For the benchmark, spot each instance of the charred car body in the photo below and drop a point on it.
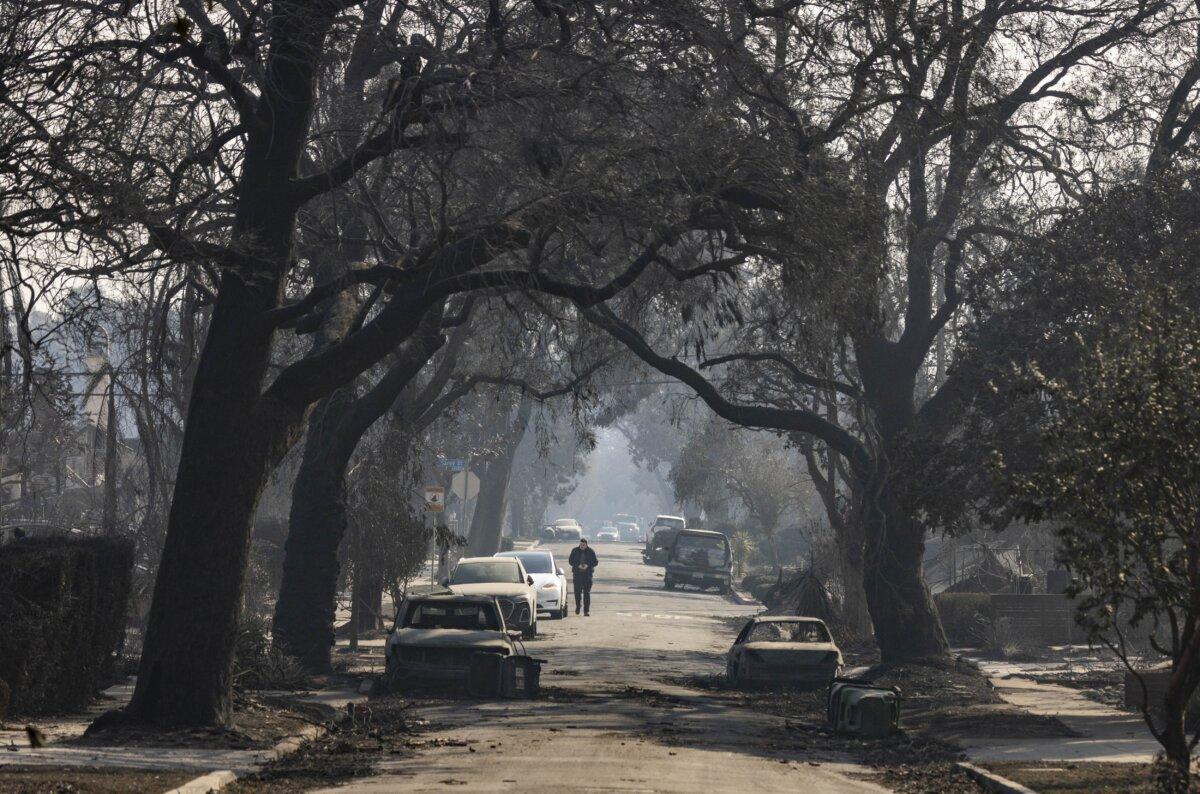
(436, 635)
(783, 650)
(701, 558)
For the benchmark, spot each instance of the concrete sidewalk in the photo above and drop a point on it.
(58, 752)
(1105, 733)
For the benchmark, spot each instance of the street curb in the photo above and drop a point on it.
(991, 781)
(213, 781)
(742, 598)
(287, 746)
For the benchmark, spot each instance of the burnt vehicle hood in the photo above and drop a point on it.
(791, 652)
(450, 638)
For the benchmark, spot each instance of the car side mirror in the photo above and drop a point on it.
(445, 581)
(559, 571)
(513, 634)
(529, 581)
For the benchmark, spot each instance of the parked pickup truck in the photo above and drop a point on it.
(700, 558)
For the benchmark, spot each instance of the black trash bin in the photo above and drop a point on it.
(483, 676)
(521, 677)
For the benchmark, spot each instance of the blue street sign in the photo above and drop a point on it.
(453, 464)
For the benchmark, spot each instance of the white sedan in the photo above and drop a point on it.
(549, 582)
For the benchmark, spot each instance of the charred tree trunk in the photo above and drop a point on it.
(1181, 687)
(516, 516)
(366, 606)
(490, 507)
(184, 676)
(901, 607)
(488, 516)
(304, 613)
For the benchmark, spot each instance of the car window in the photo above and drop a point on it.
(536, 563)
(506, 571)
(467, 617)
(788, 631)
(700, 550)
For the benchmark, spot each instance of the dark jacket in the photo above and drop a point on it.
(583, 557)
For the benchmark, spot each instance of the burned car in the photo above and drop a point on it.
(436, 635)
(701, 558)
(776, 649)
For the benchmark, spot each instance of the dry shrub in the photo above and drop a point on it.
(257, 664)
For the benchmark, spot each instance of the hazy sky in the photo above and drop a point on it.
(610, 486)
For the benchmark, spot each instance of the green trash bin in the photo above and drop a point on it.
(520, 677)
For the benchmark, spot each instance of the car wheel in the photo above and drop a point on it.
(565, 611)
(531, 632)
(668, 583)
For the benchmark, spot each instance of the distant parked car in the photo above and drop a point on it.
(701, 558)
(506, 580)
(673, 522)
(783, 650)
(549, 582)
(629, 532)
(607, 535)
(570, 534)
(436, 635)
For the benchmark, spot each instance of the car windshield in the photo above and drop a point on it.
(468, 617)
(483, 572)
(700, 550)
(666, 521)
(788, 631)
(536, 562)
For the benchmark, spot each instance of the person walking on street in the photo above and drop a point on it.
(583, 563)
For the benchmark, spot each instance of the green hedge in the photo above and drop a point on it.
(964, 615)
(62, 618)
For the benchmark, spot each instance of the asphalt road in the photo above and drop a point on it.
(615, 718)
